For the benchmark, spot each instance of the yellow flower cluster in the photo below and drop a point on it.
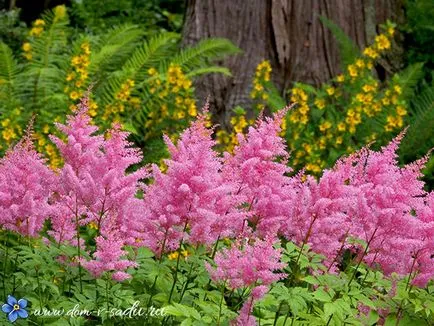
(301, 112)
(59, 13)
(38, 27)
(77, 77)
(262, 76)
(27, 48)
(176, 97)
(10, 132)
(48, 148)
(174, 255)
(229, 140)
(394, 119)
(123, 99)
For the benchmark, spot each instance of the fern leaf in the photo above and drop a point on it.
(209, 70)
(409, 78)
(8, 71)
(347, 48)
(205, 51)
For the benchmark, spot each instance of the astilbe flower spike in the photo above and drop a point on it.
(95, 190)
(248, 265)
(258, 168)
(190, 202)
(26, 185)
(365, 196)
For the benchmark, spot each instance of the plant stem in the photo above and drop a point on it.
(277, 313)
(306, 238)
(4, 263)
(363, 256)
(220, 305)
(77, 226)
(186, 283)
(175, 279)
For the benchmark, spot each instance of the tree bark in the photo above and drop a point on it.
(286, 32)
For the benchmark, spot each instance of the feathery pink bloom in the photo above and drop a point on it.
(26, 185)
(191, 195)
(95, 188)
(258, 167)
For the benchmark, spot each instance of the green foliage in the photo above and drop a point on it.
(153, 16)
(348, 50)
(47, 276)
(419, 39)
(12, 31)
(58, 64)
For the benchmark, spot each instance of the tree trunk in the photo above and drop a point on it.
(286, 32)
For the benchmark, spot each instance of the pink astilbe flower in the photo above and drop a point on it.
(258, 167)
(424, 264)
(190, 195)
(317, 213)
(248, 265)
(365, 196)
(26, 185)
(95, 189)
(108, 258)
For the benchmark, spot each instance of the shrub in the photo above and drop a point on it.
(353, 246)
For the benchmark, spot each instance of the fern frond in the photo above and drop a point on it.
(348, 50)
(149, 54)
(409, 78)
(8, 71)
(209, 70)
(205, 51)
(114, 48)
(419, 138)
(44, 75)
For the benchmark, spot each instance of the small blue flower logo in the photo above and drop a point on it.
(15, 309)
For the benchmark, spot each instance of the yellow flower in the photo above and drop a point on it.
(341, 126)
(339, 140)
(368, 88)
(76, 60)
(352, 70)
(192, 110)
(5, 122)
(340, 78)
(391, 31)
(28, 56)
(400, 110)
(307, 147)
(93, 225)
(330, 90)
(360, 63)
(174, 255)
(397, 89)
(70, 76)
(325, 125)
(304, 109)
(60, 11)
(27, 47)
(185, 253)
(385, 101)
(369, 52)
(46, 129)
(36, 31)
(39, 22)
(320, 103)
(186, 84)
(152, 71)
(382, 42)
(74, 95)
(304, 119)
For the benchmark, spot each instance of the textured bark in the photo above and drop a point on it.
(286, 32)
